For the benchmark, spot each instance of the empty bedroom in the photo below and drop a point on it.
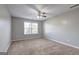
(39, 29)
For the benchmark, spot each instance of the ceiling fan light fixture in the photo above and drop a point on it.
(39, 17)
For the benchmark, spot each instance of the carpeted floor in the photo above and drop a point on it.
(40, 47)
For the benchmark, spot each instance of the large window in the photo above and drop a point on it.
(30, 28)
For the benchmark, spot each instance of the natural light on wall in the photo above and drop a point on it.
(30, 28)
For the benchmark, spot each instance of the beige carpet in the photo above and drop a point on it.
(40, 47)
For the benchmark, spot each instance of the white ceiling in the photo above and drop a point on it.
(30, 11)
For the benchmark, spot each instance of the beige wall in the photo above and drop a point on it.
(18, 29)
(5, 29)
(64, 28)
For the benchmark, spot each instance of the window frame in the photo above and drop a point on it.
(31, 33)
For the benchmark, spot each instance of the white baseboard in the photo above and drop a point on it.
(25, 39)
(64, 43)
(5, 51)
(5, 48)
(8, 46)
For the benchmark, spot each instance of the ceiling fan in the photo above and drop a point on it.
(41, 15)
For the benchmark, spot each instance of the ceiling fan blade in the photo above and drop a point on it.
(74, 5)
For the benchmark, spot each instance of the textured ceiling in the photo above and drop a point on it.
(30, 11)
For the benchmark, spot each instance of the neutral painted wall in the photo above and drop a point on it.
(64, 28)
(18, 29)
(5, 29)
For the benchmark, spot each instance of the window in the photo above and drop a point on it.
(30, 28)
(27, 28)
(34, 28)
